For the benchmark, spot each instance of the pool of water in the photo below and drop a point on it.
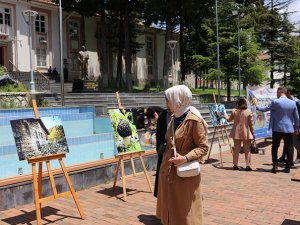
(89, 138)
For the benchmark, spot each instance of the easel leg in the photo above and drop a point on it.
(36, 195)
(220, 148)
(117, 172)
(133, 167)
(228, 140)
(223, 139)
(71, 188)
(146, 174)
(212, 141)
(40, 180)
(123, 180)
(52, 182)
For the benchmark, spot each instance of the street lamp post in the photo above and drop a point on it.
(218, 53)
(29, 16)
(236, 12)
(62, 94)
(172, 46)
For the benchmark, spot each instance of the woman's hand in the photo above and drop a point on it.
(179, 159)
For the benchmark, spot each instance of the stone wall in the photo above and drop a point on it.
(14, 100)
(10, 100)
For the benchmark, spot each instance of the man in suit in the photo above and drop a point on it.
(296, 138)
(284, 122)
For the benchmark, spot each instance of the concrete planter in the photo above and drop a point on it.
(14, 100)
(10, 100)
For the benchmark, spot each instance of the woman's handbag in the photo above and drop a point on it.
(253, 147)
(188, 169)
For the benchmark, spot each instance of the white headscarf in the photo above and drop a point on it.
(180, 98)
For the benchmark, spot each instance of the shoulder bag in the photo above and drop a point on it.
(188, 169)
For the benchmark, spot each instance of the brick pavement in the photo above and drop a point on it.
(230, 198)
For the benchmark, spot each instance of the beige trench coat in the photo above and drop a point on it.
(179, 200)
(242, 128)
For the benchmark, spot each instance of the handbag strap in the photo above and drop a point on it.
(173, 139)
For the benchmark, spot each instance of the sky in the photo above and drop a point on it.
(295, 7)
(51, 121)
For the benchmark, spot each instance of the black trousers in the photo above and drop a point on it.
(287, 148)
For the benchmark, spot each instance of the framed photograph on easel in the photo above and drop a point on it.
(35, 137)
(217, 114)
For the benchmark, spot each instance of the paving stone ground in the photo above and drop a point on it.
(229, 198)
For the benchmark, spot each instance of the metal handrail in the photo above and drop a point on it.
(41, 81)
(44, 81)
(14, 66)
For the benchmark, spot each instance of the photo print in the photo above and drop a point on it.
(217, 114)
(35, 137)
(125, 131)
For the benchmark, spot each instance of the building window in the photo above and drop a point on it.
(41, 40)
(150, 54)
(5, 16)
(40, 24)
(73, 30)
(150, 66)
(74, 42)
(149, 43)
(5, 21)
(41, 57)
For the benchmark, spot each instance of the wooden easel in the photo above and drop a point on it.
(129, 155)
(218, 129)
(37, 178)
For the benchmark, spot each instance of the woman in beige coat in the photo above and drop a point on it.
(179, 200)
(242, 131)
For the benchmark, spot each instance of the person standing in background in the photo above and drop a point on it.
(284, 122)
(152, 112)
(161, 129)
(242, 131)
(296, 137)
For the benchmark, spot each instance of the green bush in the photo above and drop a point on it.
(11, 88)
(3, 70)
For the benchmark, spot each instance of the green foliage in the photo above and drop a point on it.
(11, 88)
(213, 74)
(3, 70)
(56, 133)
(211, 91)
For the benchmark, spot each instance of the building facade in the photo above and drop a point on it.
(147, 64)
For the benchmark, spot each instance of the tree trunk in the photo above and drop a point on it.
(120, 54)
(228, 88)
(272, 70)
(103, 47)
(272, 60)
(166, 54)
(127, 48)
(196, 78)
(181, 43)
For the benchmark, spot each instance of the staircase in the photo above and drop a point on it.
(105, 101)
